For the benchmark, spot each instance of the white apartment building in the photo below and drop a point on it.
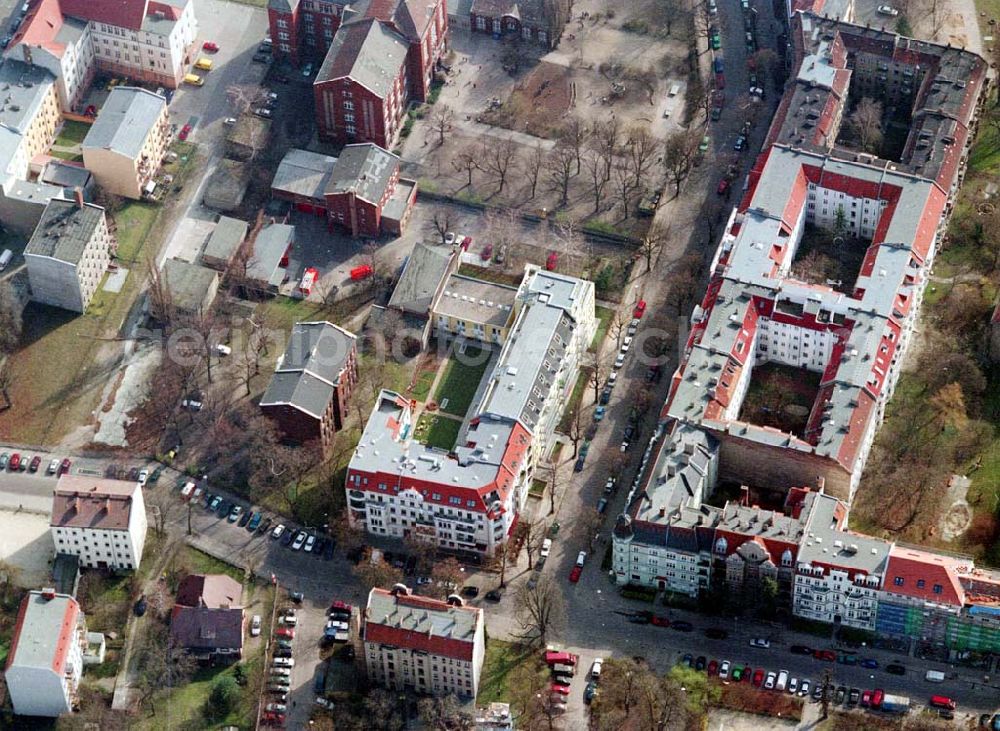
(73, 39)
(68, 253)
(398, 487)
(426, 645)
(101, 521)
(46, 655)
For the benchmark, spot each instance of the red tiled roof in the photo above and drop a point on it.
(213, 590)
(170, 11)
(913, 566)
(122, 13)
(41, 26)
(89, 502)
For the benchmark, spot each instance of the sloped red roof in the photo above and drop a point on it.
(41, 26)
(924, 575)
(122, 13)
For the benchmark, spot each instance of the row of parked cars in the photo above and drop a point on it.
(279, 681)
(256, 521)
(17, 463)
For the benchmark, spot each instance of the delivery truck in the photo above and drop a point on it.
(895, 704)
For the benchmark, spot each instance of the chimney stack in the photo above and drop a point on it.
(78, 196)
(48, 593)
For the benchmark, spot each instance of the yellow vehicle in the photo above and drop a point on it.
(194, 79)
(205, 64)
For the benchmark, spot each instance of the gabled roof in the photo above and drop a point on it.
(303, 173)
(368, 52)
(122, 13)
(364, 169)
(125, 121)
(213, 591)
(203, 629)
(92, 502)
(310, 368)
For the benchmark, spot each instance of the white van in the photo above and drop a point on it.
(5, 258)
(934, 676)
(782, 680)
(675, 89)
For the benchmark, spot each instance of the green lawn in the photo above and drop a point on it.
(72, 133)
(501, 666)
(133, 221)
(422, 388)
(438, 431)
(604, 316)
(202, 563)
(459, 383)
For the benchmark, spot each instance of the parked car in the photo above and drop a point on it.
(210, 47)
(574, 575)
(470, 591)
(307, 70)
(895, 669)
(263, 112)
(887, 10)
(825, 655)
(494, 595)
(589, 692)
(299, 541)
(15, 462)
(760, 642)
(640, 307)
(771, 680)
(35, 462)
(235, 513)
(800, 650)
(310, 542)
(185, 131)
(278, 530)
(50, 470)
(724, 668)
(287, 537)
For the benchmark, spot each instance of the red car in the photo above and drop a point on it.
(35, 461)
(713, 668)
(758, 677)
(877, 697)
(720, 81)
(210, 46)
(574, 575)
(64, 466)
(723, 187)
(660, 621)
(640, 309)
(487, 253)
(866, 698)
(287, 632)
(560, 689)
(185, 131)
(827, 655)
(15, 462)
(747, 674)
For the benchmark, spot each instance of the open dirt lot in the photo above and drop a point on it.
(26, 542)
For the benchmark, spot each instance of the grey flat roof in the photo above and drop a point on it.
(187, 283)
(64, 230)
(24, 88)
(226, 238)
(66, 175)
(823, 543)
(421, 277)
(395, 208)
(475, 300)
(365, 169)
(269, 247)
(303, 173)
(125, 121)
(310, 367)
(41, 638)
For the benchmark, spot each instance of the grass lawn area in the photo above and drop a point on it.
(181, 707)
(491, 274)
(537, 488)
(72, 133)
(604, 316)
(575, 399)
(202, 563)
(459, 383)
(70, 156)
(134, 221)
(501, 666)
(437, 431)
(422, 388)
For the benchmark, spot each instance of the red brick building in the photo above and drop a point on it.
(360, 191)
(310, 391)
(303, 29)
(381, 58)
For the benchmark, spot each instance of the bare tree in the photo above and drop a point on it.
(444, 714)
(653, 242)
(866, 124)
(679, 156)
(623, 186)
(447, 576)
(559, 169)
(576, 433)
(244, 97)
(161, 304)
(442, 222)
(540, 609)
(641, 148)
(596, 174)
(533, 166)
(595, 377)
(534, 534)
(503, 229)
(604, 141)
(498, 159)
(374, 571)
(441, 120)
(619, 323)
(466, 160)
(574, 134)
